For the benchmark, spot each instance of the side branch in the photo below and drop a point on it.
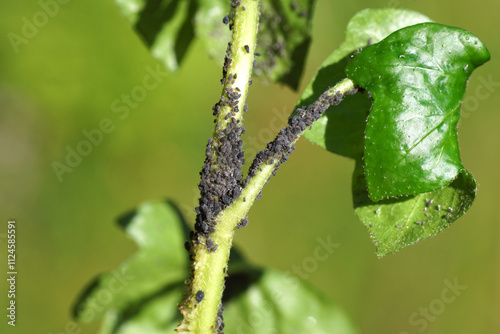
(268, 161)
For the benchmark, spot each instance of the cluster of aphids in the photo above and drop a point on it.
(278, 151)
(221, 178)
(220, 320)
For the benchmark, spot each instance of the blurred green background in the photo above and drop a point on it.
(64, 80)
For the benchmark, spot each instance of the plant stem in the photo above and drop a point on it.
(210, 268)
(202, 306)
(265, 168)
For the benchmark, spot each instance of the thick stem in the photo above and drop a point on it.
(221, 180)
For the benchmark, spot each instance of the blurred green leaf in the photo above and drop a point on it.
(164, 25)
(396, 223)
(283, 40)
(255, 300)
(277, 302)
(417, 78)
(156, 315)
(341, 129)
(144, 299)
(161, 261)
(213, 33)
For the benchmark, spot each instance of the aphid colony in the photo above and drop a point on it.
(220, 319)
(278, 151)
(221, 178)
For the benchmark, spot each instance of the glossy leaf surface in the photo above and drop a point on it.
(417, 78)
(397, 223)
(341, 129)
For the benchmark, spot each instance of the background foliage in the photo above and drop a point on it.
(65, 80)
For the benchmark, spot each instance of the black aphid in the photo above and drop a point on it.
(199, 296)
(220, 320)
(247, 48)
(225, 20)
(257, 54)
(242, 223)
(210, 243)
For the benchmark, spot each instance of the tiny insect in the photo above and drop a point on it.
(199, 296)
(225, 20)
(247, 48)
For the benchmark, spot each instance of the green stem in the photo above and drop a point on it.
(240, 207)
(209, 267)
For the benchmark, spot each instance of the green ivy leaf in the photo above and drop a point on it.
(283, 40)
(145, 299)
(417, 77)
(279, 303)
(396, 223)
(210, 29)
(157, 228)
(341, 129)
(164, 25)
